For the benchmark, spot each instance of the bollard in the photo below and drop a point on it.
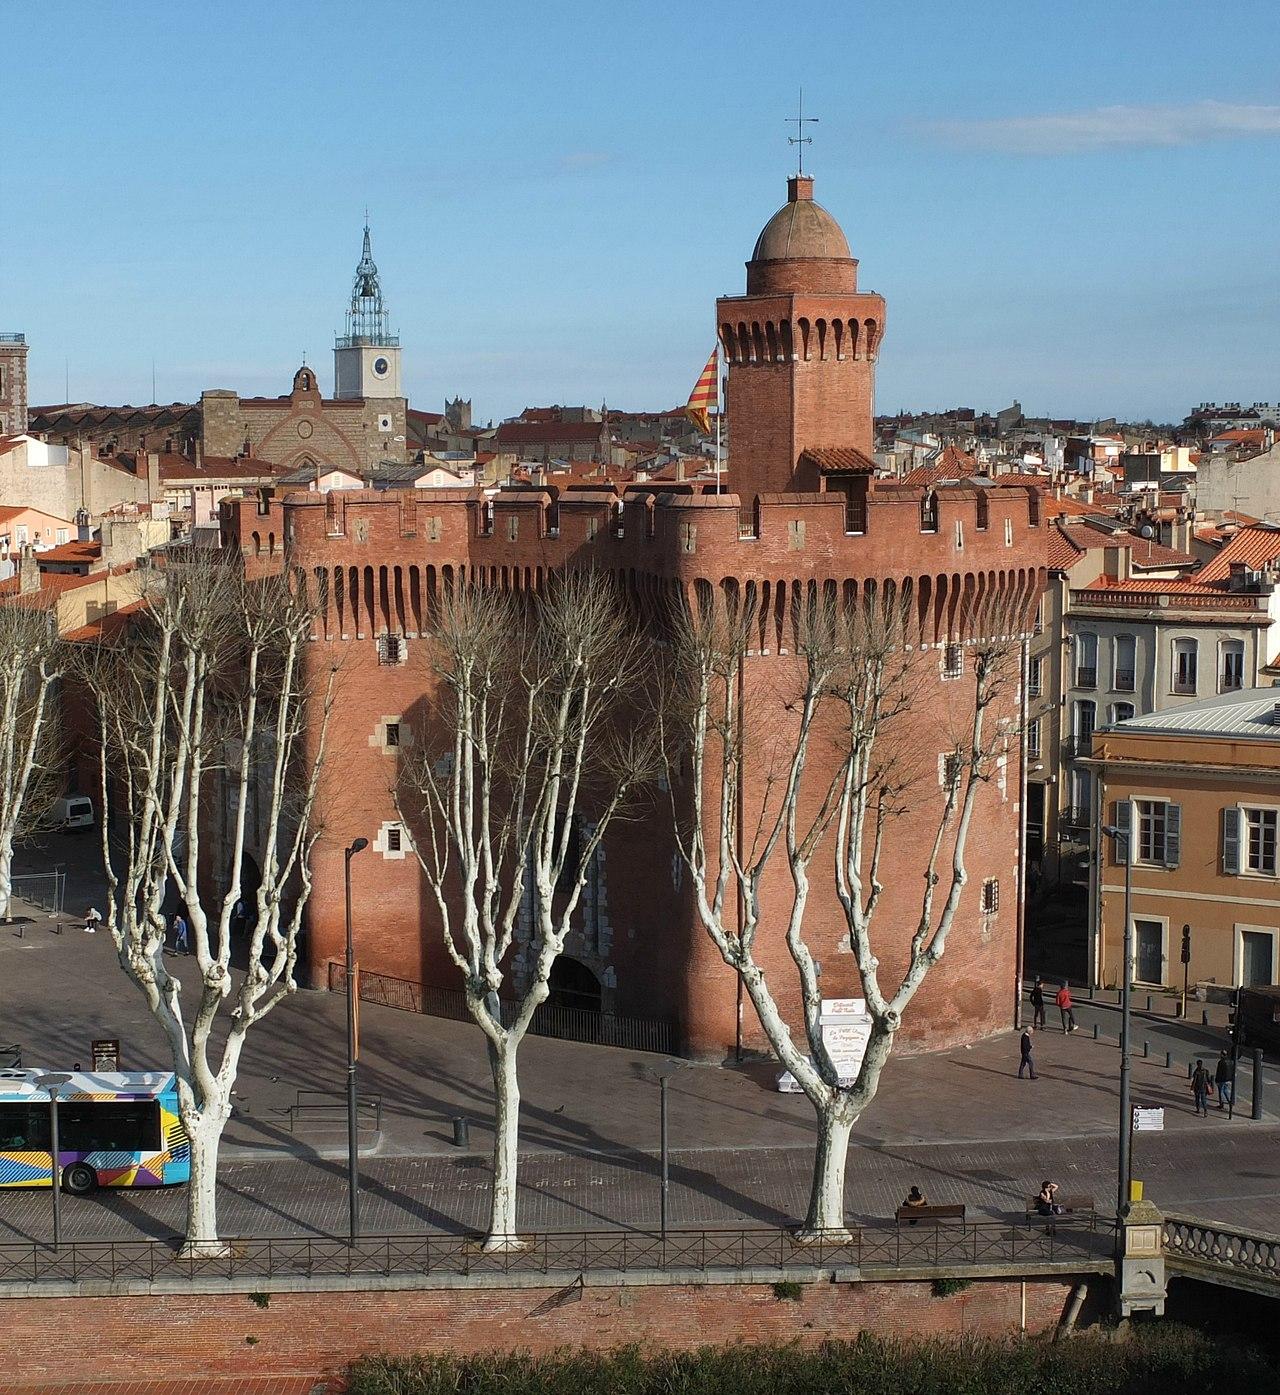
(1190, 1070)
(1177, 1009)
(1204, 1017)
(1257, 1083)
(1146, 1049)
(1095, 1031)
(1168, 1060)
(1091, 992)
(57, 929)
(461, 1133)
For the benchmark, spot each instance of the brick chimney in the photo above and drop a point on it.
(28, 571)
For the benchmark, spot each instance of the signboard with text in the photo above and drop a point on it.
(846, 1029)
(105, 1052)
(1148, 1120)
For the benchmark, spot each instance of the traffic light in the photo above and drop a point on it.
(1186, 944)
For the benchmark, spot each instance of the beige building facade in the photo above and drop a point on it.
(1197, 790)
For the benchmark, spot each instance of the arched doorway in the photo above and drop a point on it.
(573, 985)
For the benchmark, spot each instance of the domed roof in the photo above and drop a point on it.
(800, 228)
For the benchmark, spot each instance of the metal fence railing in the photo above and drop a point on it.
(48, 890)
(549, 1019)
(1087, 1243)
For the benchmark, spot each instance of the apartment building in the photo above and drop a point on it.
(1196, 791)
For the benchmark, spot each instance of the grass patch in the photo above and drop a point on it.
(1158, 1360)
(944, 1288)
(788, 1291)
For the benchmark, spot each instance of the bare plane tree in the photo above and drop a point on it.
(204, 701)
(529, 732)
(844, 764)
(30, 664)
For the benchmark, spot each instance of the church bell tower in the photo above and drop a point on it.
(366, 359)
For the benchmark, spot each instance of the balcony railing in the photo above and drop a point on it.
(1124, 680)
(1076, 746)
(1074, 818)
(1086, 676)
(1184, 687)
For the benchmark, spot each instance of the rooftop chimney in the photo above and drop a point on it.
(28, 571)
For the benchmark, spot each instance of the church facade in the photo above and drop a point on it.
(805, 511)
(361, 426)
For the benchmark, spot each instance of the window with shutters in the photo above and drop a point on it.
(1158, 832)
(1230, 665)
(1258, 843)
(949, 768)
(1185, 675)
(1124, 669)
(990, 896)
(1121, 711)
(1034, 677)
(1086, 660)
(953, 660)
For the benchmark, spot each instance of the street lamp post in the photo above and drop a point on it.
(53, 1081)
(662, 1136)
(1125, 1167)
(353, 1138)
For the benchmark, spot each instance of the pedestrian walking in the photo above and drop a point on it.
(1064, 1007)
(1224, 1074)
(180, 934)
(1201, 1085)
(1028, 1062)
(1037, 1003)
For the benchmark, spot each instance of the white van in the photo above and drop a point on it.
(74, 812)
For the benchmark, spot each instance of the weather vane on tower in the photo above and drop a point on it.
(800, 139)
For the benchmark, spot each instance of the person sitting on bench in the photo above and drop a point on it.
(1046, 1203)
(915, 1202)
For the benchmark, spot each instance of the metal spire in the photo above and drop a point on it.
(366, 315)
(800, 140)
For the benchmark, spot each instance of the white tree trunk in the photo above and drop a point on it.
(205, 1133)
(825, 1220)
(506, 1139)
(6, 875)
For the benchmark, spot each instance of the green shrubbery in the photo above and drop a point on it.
(1164, 1360)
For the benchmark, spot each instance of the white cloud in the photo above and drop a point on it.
(1111, 128)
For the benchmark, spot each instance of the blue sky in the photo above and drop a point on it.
(1070, 202)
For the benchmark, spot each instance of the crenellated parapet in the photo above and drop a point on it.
(940, 548)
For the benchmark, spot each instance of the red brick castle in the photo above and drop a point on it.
(805, 509)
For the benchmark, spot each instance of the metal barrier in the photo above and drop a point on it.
(44, 889)
(880, 1249)
(549, 1019)
(319, 1108)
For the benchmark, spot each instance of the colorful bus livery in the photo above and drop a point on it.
(115, 1129)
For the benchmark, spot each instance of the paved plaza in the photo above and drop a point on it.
(960, 1123)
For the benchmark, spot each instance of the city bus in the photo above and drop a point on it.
(115, 1129)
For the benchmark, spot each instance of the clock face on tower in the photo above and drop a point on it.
(380, 366)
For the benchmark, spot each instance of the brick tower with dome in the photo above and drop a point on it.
(806, 512)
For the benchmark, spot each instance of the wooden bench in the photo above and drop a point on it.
(1070, 1206)
(933, 1214)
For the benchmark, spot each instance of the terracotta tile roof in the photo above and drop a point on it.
(1146, 553)
(1055, 508)
(538, 433)
(952, 464)
(1255, 545)
(106, 625)
(1178, 586)
(839, 460)
(217, 467)
(81, 552)
(1062, 551)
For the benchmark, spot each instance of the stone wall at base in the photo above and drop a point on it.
(314, 1333)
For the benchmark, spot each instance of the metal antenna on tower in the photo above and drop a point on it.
(800, 140)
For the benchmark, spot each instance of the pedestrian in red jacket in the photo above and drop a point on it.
(1064, 1007)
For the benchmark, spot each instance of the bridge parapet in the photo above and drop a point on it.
(1222, 1254)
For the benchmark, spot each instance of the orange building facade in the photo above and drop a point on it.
(804, 512)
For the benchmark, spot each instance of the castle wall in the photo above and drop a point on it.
(377, 558)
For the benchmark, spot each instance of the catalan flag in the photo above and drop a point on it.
(705, 395)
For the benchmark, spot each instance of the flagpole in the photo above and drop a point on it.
(719, 414)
